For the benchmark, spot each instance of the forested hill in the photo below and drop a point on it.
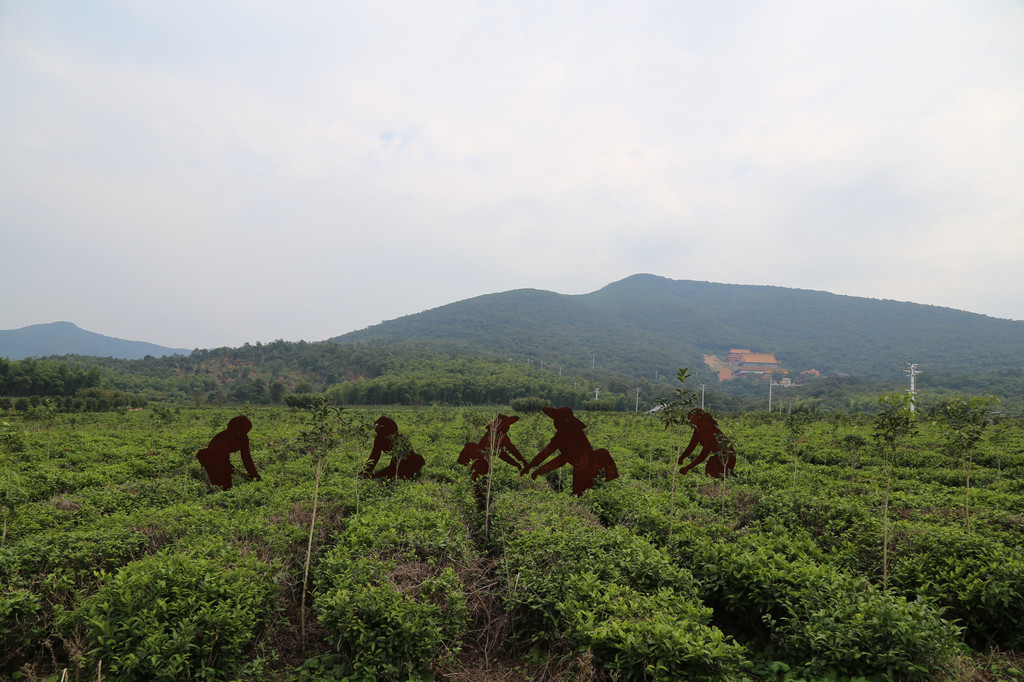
(646, 323)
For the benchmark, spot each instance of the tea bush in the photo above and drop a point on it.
(20, 627)
(979, 581)
(388, 592)
(194, 614)
(607, 591)
(820, 618)
(658, 635)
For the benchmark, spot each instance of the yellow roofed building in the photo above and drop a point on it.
(745, 361)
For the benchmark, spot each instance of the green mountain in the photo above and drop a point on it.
(65, 338)
(646, 324)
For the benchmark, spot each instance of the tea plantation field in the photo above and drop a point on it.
(119, 562)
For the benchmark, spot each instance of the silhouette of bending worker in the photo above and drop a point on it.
(707, 434)
(574, 448)
(495, 441)
(216, 457)
(403, 465)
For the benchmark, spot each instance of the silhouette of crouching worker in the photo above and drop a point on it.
(574, 447)
(216, 457)
(404, 464)
(494, 442)
(721, 459)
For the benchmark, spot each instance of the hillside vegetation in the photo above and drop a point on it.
(614, 349)
(646, 324)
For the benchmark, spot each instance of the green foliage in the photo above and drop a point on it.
(674, 412)
(894, 422)
(752, 584)
(192, 614)
(388, 592)
(20, 626)
(980, 582)
(386, 629)
(893, 425)
(609, 591)
(330, 425)
(302, 401)
(659, 635)
(45, 377)
(964, 420)
(528, 404)
(826, 620)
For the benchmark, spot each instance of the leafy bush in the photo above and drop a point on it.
(824, 619)
(20, 626)
(387, 627)
(607, 591)
(188, 615)
(526, 405)
(660, 635)
(388, 592)
(65, 562)
(979, 581)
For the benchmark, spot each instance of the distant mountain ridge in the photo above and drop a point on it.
(645, 324)
(65, 338)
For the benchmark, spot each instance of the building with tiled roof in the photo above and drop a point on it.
(745, 361)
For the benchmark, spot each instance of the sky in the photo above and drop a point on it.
(201, 174)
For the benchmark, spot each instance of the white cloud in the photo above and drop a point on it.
(371, 161)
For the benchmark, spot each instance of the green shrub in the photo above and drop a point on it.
(609, 591)
(20, 627)
(660, 635)
(526, 405)
(859, 630)
(390, 622)
(172, 616)
(64, 562)
(979, 581)
(388, 593)
(819, 617)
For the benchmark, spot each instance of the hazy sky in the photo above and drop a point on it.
(202, 174)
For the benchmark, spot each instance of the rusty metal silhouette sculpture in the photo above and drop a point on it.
(494, 442)
(574, 448)
(404, 462)
(721, 458)
(216, 457)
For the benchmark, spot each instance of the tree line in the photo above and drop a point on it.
(372, 373)
(31, 377)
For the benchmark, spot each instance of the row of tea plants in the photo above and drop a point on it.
(828, 556)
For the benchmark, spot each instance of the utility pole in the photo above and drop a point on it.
(597, 392)
(769, 395)
(637, 408)
(702, 387)
(912, 371)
